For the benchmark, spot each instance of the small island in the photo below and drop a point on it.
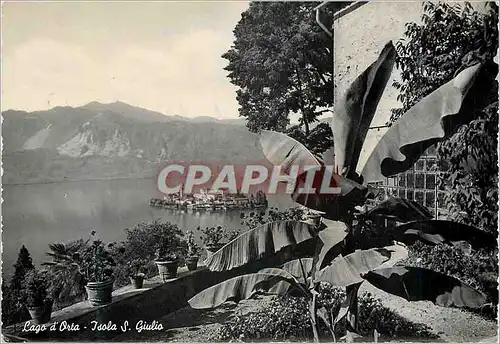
(206, 200)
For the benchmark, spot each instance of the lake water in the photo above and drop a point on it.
(39, 214)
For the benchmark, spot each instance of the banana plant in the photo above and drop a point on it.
(299, 276)
(336, 256)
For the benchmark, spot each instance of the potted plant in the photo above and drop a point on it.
(213, 238)
(167, 262)
(136, 272)
(97, 266)
(169, 250)
(193, 252)
(35, 285)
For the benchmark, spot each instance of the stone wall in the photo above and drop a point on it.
(152, 302)
(155, 300)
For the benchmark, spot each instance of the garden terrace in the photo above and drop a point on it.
(153, 301)
(167, 304)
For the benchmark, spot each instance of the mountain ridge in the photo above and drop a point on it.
(113, 140)
(122, 107)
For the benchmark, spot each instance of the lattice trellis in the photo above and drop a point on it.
(419, 184)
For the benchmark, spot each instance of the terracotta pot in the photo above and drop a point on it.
(167, 269)
(41, 314)
(192, 262)
(99, 293)
(212, 248)
(137, 280)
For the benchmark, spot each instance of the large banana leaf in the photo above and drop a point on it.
(260, 241)
(290, 280)
(355, 111)
(399, 209)
(345, 271)
(328, 156)
(333, 235)
(349, 308)
(398, 253)
(435, 117)
(239, 288)
(282, 150)
(296, 270)
(334, 205)
(435, 232)
(299, 267)
(419, 284)
(350, 267)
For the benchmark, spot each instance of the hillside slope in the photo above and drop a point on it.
(114, 141)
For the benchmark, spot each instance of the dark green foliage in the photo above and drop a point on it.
(127, 266)
(471, 161)
(374, 315)
(255, 219)
(139, 250)
(319, 139)
(13, 309)
(283, 318)
(67, 280)
(147, 238)
(281, 60)
(478, 269)
(96, 263)
(287, 318)
(22, 265)
(451, 38)
(74, 264)
(217, 235)
(35, 288)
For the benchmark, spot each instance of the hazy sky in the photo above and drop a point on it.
(160, 56)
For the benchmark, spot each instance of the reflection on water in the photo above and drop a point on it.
(37, 215)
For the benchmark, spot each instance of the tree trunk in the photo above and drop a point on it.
(312, 315)
(312, 289)
(306, 123)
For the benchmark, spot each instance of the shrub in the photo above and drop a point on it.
(374, 315)
(216, 235)
(255, 219)
(145, 238)
(283, 318)
(286, 317)
(12, 310)
(471, 179)
(142, 244)
(35, 286)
